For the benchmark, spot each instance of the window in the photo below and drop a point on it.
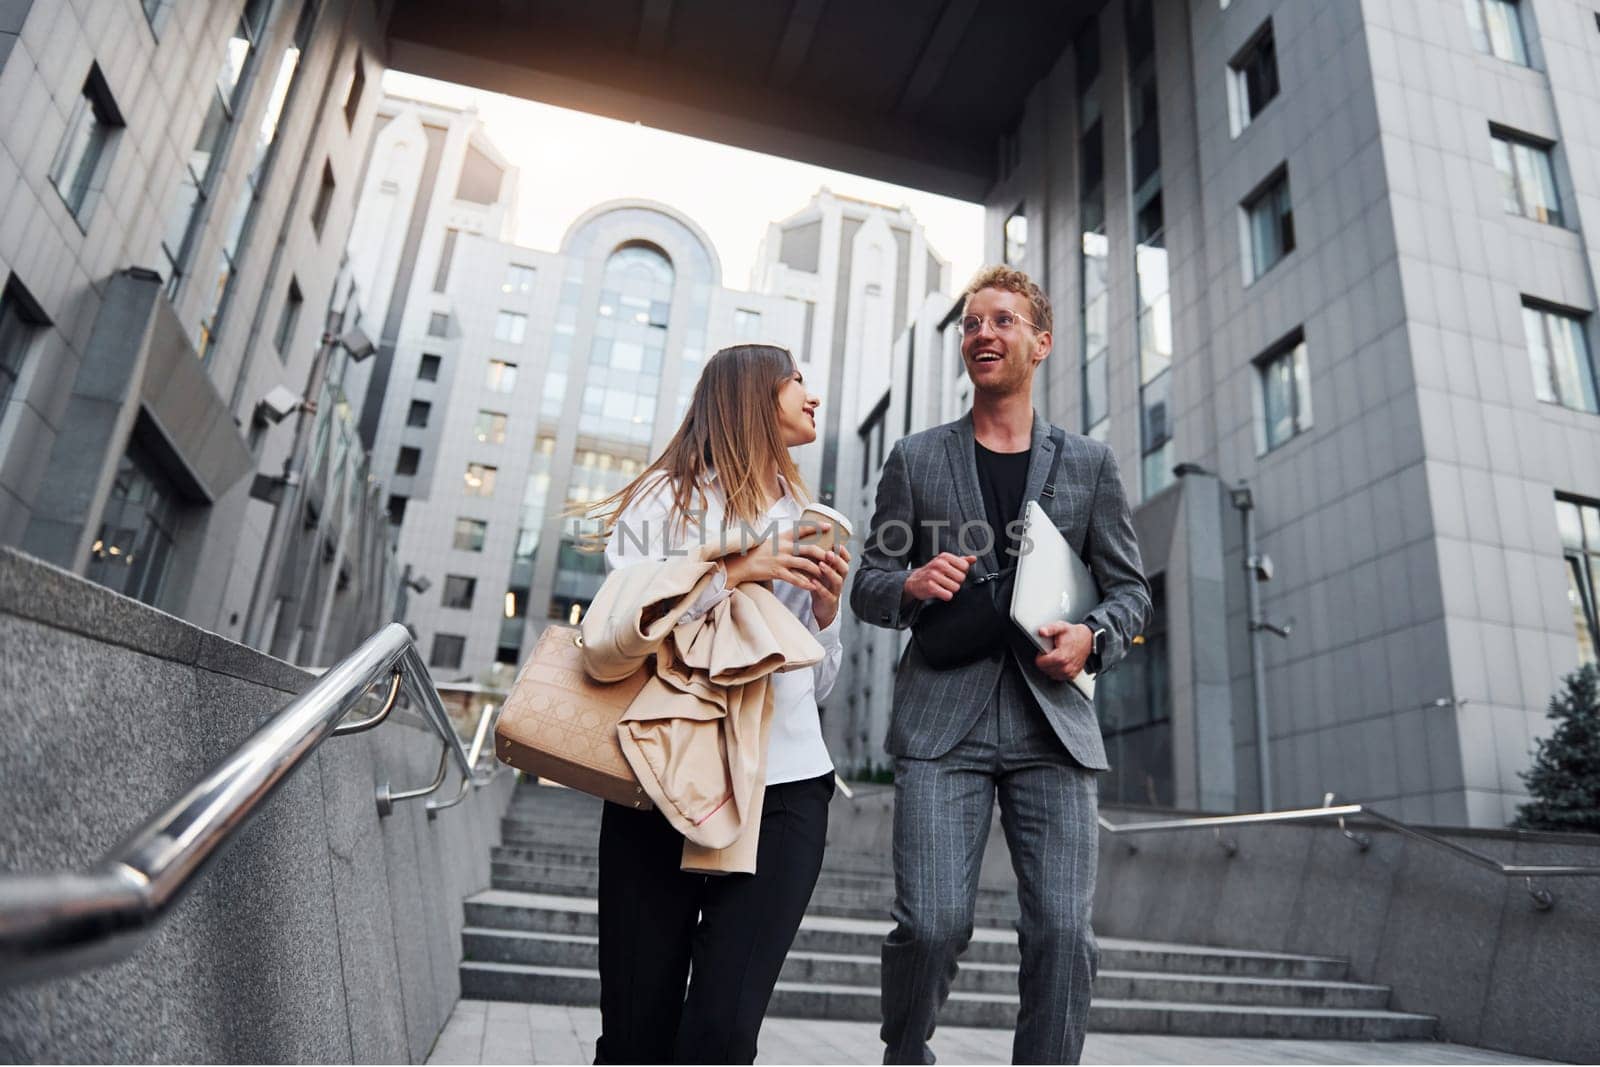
(490, 428)
(438, 324)
(1579, 523)
(288, 318)
(447, 651)
(352, 99)
(319, 210)
(871, 434)
(1285, 393)
(1252, 79)
(132, 549)
(502, 377)
(479, 480)
(470, 534)
(428, 369)
(1559, 353)
(458, 590)
(417, 414)
(397, 508)
(1269, 221)
(1527, 179)
(85, 154)
(20, 320)
(746, 323)
(447, 253)
(408, 461)
(519, 279)
(197, 179)
(1016, 235)
(1496, 28)
(510, 326)
(241, 220)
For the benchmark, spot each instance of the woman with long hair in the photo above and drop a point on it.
(688, 961)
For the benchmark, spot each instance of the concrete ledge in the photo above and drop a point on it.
(1452, 939)
(322, 933)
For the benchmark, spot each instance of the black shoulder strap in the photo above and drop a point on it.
(1059, 436)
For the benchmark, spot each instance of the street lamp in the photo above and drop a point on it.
(283, 491)
(1257, 568)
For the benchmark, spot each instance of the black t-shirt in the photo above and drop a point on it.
(1003, 478)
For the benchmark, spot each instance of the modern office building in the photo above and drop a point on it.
(177, 182)
(515, 383)
(862, 271)
(1323, 268)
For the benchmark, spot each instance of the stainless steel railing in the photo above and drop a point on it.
(1543, 899)
(57, 923)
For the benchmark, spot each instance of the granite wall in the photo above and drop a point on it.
(322, 934)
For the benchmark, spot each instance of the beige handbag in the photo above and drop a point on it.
(561, 724)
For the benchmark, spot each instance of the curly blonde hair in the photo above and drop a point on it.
(1011, 280)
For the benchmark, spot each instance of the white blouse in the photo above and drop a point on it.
(795, 749)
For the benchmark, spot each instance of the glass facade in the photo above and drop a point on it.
(469, 535)
(1094, 254)
(1150, 256)
(132, 550)
(1253, 81)
(1496, 28)
(1558, 352)
(187, 203)
(242, 218)
(1285, 394)
(1579, 523)
(1134, 703)
(1270, 220)
(1527, 178)
(79, 165)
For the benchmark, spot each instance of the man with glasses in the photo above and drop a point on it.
(999, 718)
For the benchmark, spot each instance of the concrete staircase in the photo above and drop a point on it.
(532, 938)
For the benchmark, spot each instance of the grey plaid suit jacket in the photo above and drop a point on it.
(929, 489)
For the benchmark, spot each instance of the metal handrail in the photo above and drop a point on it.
(485, 716)
(58, 923)
(1543, 899)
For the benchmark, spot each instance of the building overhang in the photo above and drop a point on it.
(917, 94)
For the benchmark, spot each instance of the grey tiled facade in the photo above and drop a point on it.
(1412, 520)
(169, 172)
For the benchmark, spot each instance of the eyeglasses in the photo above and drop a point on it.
(1002, 321)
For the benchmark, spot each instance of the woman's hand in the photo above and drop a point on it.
(825, 598)
(779, 559)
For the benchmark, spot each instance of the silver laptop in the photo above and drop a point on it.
(1052, 585)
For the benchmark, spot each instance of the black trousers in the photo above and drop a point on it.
(658, 922)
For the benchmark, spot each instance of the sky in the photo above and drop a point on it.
(571, 161)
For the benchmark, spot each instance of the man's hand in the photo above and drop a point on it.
(1074, 641)
(835, 565)
(938, 579)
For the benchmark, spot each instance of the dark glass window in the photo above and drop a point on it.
(1255, 79)
(132, 550)
(428, 369)
(459, 590)
(20, 321)
(417, 414)
(447, 651)
(410, 458)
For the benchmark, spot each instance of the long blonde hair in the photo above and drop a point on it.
(731, 427)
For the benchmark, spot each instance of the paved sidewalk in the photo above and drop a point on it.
(492, 1032)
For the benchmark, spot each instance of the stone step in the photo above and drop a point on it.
(823, 968)
(993, 908)
(497, 909)
(581, 986)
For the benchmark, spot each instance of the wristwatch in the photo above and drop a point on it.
(1097, 649)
